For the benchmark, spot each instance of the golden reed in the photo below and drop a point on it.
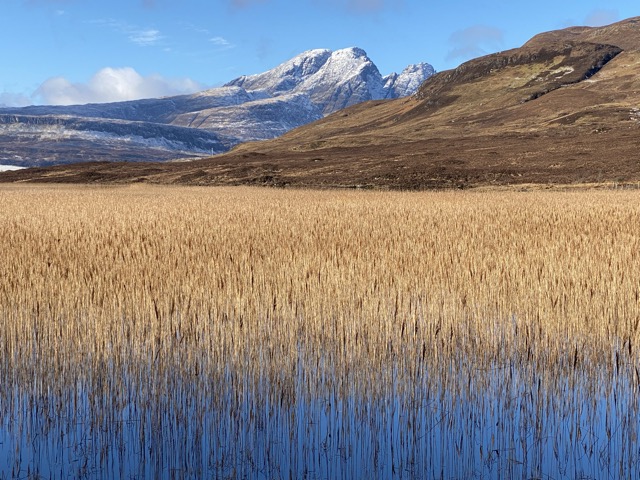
(352, 285)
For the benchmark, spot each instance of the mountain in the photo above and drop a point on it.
(256, 120)
(409, 80)
(562, 109)
(37, 140)
(256, 107)
(335, 80)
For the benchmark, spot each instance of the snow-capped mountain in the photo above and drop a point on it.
(335, 80)
(409, 80)
(155, 110)
(255, 107)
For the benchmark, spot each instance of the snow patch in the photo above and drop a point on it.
(10, 168)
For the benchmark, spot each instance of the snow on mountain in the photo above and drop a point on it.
(31, 140)
(335, 80)
(255, 107)
(257, 120)
(157, 110)
(287, 76)
(9, 168)
(409, 80)
(348, 77)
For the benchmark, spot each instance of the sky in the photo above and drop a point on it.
(84, 51)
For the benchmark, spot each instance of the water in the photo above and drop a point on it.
(510, 421)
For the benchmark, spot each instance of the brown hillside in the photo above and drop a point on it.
(563, 108)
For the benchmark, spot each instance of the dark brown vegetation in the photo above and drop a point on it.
(562, 109)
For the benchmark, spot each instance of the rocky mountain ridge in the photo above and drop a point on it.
(257, 107)
(335, 80)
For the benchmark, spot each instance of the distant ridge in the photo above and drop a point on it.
(564, 109)
(256, 107)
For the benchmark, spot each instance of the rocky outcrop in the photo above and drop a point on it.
(554, 65)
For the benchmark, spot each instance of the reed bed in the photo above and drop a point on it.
(157, 305)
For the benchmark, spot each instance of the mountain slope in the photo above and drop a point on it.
(46, 140)
(562, 109)
(257, 107)
(256, 120)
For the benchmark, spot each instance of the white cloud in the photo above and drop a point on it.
(112, 85)
(221, 42)
(145, 38)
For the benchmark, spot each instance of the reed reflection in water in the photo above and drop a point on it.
(499, 424)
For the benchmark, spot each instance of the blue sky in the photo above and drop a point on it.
(79, 51)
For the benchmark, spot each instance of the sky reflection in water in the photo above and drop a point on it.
(509, 422)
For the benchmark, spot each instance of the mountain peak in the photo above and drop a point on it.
(409, 80)
(355, 52)
(335, 79)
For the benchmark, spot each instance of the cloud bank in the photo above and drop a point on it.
(112, 85)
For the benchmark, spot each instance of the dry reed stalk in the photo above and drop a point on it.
(334, 288)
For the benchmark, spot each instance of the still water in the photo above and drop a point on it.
(510, 421)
